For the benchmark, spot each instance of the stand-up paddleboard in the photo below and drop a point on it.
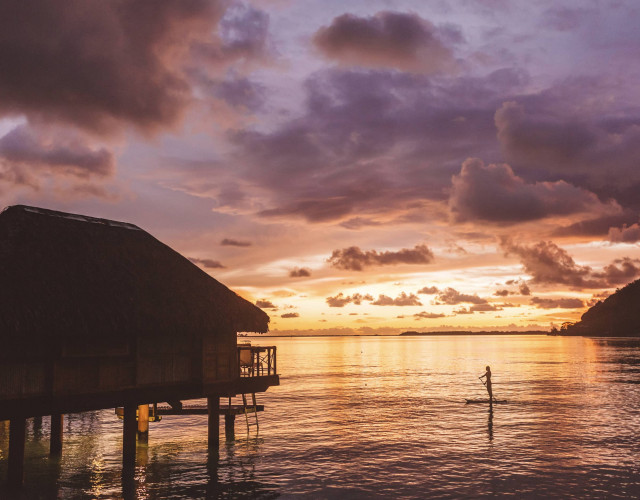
(471, 401)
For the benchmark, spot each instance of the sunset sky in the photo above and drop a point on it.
(349, 166)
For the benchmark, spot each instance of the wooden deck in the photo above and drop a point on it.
(197, 409)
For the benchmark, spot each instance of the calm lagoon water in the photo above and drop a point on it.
(384, 417)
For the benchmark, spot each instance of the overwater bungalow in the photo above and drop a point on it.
(99, 314)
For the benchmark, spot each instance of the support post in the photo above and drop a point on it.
(213, 405)
(17, 433)
(229, 427)
(129, 440)
(143, 423)
(55, 441)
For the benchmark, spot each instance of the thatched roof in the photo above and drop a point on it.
(71, 275)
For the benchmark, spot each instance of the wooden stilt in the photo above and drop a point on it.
(17, 432)
(129, 428)
(229, 427)
(55, 443)
(143, 423)
(213, 405)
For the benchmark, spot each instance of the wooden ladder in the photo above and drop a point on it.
(250, 409)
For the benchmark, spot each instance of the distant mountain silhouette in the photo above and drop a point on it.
(616, 316)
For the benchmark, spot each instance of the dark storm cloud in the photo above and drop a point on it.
(428, 290)
(494, 193)
(234, 243)
(428, 315)
(265, 304)
(547, 263)
(300, 272)
(342, 300)
(355, 259)
(27, 150)
(451, 296)
(570, 130)
(388, 39)
(401, 300)
(207, 263)
(564, 303)
(98, 64)
(625, 234)
(332, 162)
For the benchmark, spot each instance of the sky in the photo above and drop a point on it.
(351, 167)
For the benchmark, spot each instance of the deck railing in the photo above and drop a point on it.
(256, 361)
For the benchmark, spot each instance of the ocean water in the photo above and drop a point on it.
(384, 417)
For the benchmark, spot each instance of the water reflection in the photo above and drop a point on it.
(384, 417)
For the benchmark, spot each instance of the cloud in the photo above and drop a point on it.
(290, 315)
(104, 64)
(265, 304)
(568, 129)
(354, 259)
(450, 296)
(625, 234)
(462, 310)
(599, 226)
(300, 272)
(493, 193)
(235, 243)
(60, 160)
(502, 293)
(428, 315)
(620, 271)
(524, 289)
(484, 308)
(547, 263)
(428, 290)
(401, 300)
(207, 263)
(564, 303)
(331, 162)
(388, 39)
(341, 300)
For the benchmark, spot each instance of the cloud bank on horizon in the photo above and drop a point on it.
(472, 163)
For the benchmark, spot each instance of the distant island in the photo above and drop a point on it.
(616, 316)
(463, 332)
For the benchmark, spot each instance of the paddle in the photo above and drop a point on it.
(485, 384)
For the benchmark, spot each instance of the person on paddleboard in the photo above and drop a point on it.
(487, 375)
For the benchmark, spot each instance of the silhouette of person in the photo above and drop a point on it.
(487, 375)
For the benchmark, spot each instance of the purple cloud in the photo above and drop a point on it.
(355, 259)
(625, 234)
(113, 63)
(389, 40)
(494, 193)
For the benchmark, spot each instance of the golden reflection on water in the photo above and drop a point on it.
(374, 416)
